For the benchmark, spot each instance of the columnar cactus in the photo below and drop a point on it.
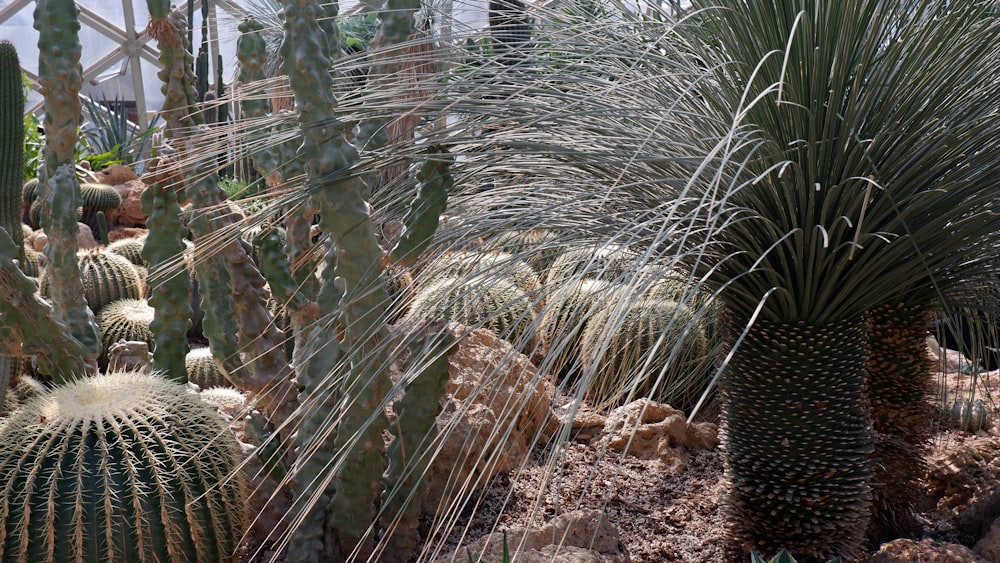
(32, 322)
(120, 467)
(411, 451)
(230, 279)
(11, 141)
(61, 78)
(170, 288)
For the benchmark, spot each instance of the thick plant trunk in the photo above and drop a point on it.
(899, 380)
(798, 437)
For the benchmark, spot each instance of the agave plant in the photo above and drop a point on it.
(860, 156)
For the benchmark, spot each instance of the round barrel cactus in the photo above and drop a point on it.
(202, 369)
(496, 304)
(106, 277)
(631, 349)
(606, 262)
(120, 467)
(539, 248)
(130, 248)
(125, 319)
(482, 265)
(566, 311)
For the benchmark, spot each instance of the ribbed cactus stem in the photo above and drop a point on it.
(170, 283)
(32, 322)
(411, 451)
(313, 539)
(251, 51)
(355, 251)
(270, 374)
(61, 78)
(11, 144)
(395, 27)
(421, 220)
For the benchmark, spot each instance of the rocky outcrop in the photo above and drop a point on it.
(496, 407)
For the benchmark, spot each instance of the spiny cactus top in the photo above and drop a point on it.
(119, 467)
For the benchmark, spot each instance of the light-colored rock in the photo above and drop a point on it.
(924, 551)
(129, 355)
(115, 174)
(655, 431)
(496, 407)
(581, 536)
(129, 212)
(84, 238)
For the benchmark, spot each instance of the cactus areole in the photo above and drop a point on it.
(119, 467)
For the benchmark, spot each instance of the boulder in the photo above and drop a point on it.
(496, 407)
(84, 239)
(129, 212)
(655, 431)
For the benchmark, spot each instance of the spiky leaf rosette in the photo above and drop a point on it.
(653, 348)
(202, 369)
(899, 381)
(106, 277)
(120, 467)
(126, 319)
(498, 305)
(798, 438)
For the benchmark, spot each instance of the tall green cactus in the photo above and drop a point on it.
(61, 78)
(11, 142)
(230, 279)
(170, 289)
(120, 467)
(11, 172)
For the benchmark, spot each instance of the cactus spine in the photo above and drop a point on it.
(120, 467)
(61, 78)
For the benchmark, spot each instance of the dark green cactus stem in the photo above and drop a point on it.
(313, 539)
(352, 257)
(251, 52)
(421, 220)
(120, 467)
(411, 450)
(102, 228)
(269, 376)
(32, 322)
(11, 143)
(61, 78)
(11, 177)
(170, 283)
(260, 432)
(396, 26)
